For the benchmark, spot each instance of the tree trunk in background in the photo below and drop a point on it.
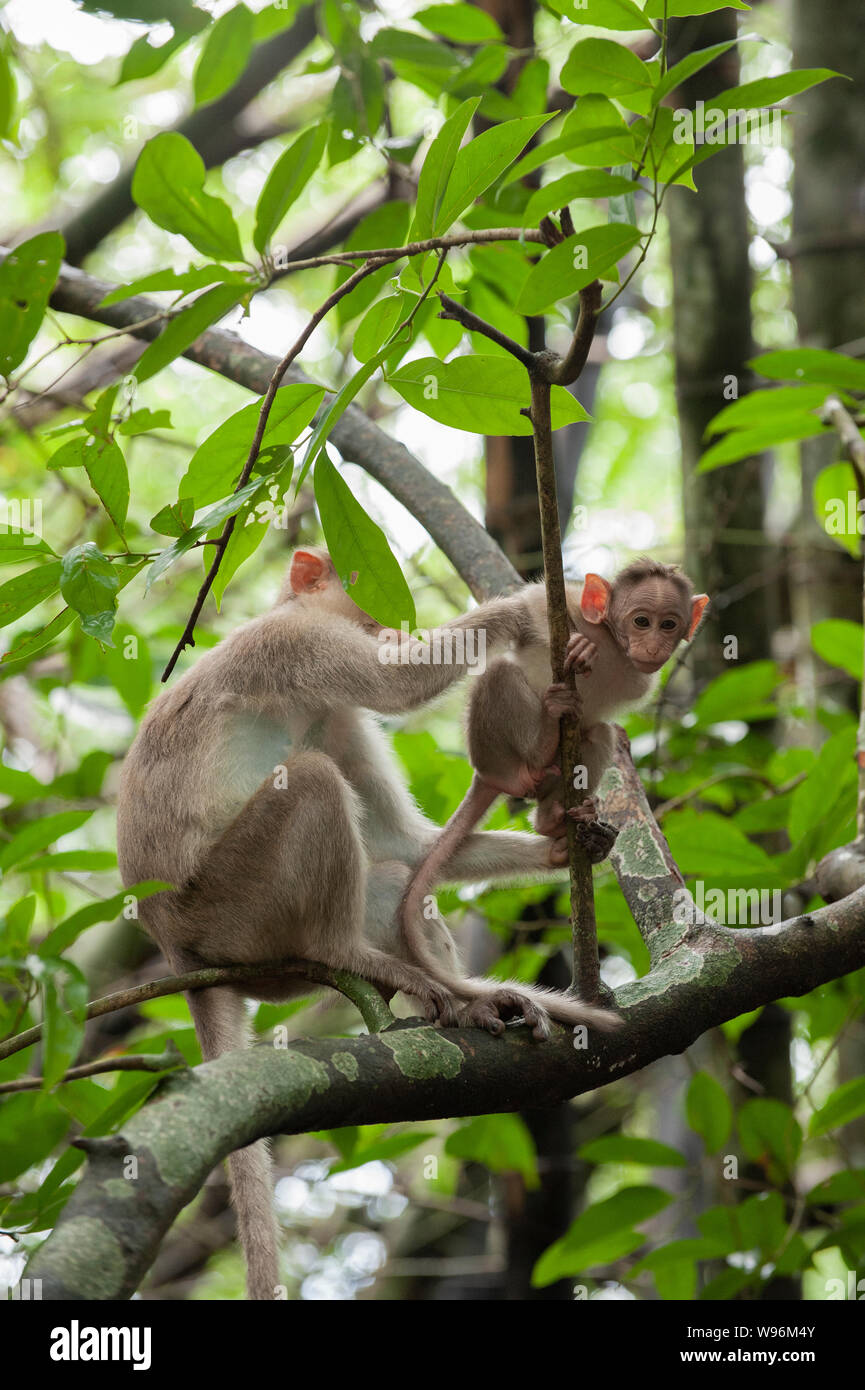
(828, 263)
(726, 554)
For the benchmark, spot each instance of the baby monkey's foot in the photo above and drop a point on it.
(580, 654)
(596, 837)
(491, 1010)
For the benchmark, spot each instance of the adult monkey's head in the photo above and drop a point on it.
(649, 608)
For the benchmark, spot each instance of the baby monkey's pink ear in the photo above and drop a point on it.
(308, 571)
(699, 603)
(595, 598)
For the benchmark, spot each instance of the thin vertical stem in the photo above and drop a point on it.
(586, 972)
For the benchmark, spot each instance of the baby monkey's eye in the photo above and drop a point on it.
(669, 624)
(642, 621)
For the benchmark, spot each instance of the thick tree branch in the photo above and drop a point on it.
(110, 1230)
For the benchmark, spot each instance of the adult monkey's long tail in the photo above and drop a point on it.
(220, 1023)
(473, 807)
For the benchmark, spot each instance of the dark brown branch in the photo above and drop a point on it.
(452, 310)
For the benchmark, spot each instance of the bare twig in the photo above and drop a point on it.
(188, 636)
(363, 993)
(163, 1061)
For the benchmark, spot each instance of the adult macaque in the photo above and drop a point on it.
(262, 788)
(623, 634)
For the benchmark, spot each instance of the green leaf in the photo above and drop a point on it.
(175, 518)
(168, 184)
(19, 920)
(814, 798)
(221, 512)
(183, 329)
(461, 23)
(334, 412)
(766, 91)
(73, 860)
(143, 59)
(481, 394)
(218, 462)
(144, 420)
(106, 469)
(249, 531)
(105, 910)
(741, 444)
(89, 584)
(286, 181)
(401, 46)
(812, 364)
(39, 833)
(19, 595)
(626, 1148)
(225, 54)
(365, 563)
(838, 509)
(128, 667)
(483, 160)
(382, 1150)
(27, 276)
(501, 1143)
(378, 324)
(437, 168)
(674, 9)
(605, 14)
(710, 846)
(601, 1230)
(764, 406)
(768, 1128)
(64, 1003)
(604, 66)
(839, 642)
(18, 544)
(28, 644)
(709, 1111)
(33, 1124)
(692, 63)
(185, 281)
(585, 184)
(741, 693)
(577, 261)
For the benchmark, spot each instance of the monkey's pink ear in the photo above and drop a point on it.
(595, 598)
(699, 603)
(307, 571)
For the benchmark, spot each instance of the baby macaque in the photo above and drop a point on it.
(623, 634)
(261, 786)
